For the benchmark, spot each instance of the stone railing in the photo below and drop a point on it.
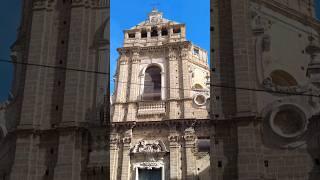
(151, 108)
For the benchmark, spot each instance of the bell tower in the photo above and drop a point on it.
(161, 93)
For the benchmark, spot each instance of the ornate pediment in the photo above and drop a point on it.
(149, 146)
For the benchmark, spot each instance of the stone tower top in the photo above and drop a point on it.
(155, 30)
(155, 16)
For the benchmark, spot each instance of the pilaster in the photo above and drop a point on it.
(175, 155)
(185, 79)
(134, 85)
(27, 149)
(122, 80)
(114, 152)
(173, 79)
(126, 144)
(69, 162)
(121, 89)
(189, 145)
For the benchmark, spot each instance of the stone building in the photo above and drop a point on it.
(52, 127)
(160, 105)
(265, 107)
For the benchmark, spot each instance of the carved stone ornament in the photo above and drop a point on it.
(149, 146)
(266, 43)
(189, 137)
(259, 23)
(269, 85)
(189, 134)
(172, 55)
(126, 140)
(114, 140)
(184, 53)
(40, 4)
(173, 138)
(135, 57)
(149, 165)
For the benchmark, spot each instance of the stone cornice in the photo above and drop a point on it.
(294, 14)
(187, 122)
(168, 122)
(49, 4)
(174, 45)
(35, 131)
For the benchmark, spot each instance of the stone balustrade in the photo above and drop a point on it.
(151, 108)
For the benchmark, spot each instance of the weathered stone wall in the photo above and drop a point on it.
(46, 138)
(245, 146)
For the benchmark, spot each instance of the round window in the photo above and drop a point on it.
(288, 121)
(200, 99)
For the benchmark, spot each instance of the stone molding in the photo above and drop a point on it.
(160, 48)
(49, 4)
(294, 14)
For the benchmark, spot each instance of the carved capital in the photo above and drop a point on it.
(43, 4)
(135, 57)
(174, 138)
(184, 53)
(172, 55)
(189, 137)
(126, 140)
(123, 60)
(114, 140)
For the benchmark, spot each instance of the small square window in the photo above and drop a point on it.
(154, 32)
(144, 34)
(132, 35)
(176, 30)
(196, 51)
(164, 32)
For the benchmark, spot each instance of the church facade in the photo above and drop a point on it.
(160, 105)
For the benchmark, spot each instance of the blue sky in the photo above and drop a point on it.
(9, 23)
(128, 13)
(124, 14)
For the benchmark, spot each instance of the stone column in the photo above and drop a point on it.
(185, 79)
(114, 150)
(134, 86)
(173, 79)
(175, 155)
(121, 91)
(125, 173)
(189, 138)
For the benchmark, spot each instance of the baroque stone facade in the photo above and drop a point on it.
(53, 126)
(160, 105)
(265, 85)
